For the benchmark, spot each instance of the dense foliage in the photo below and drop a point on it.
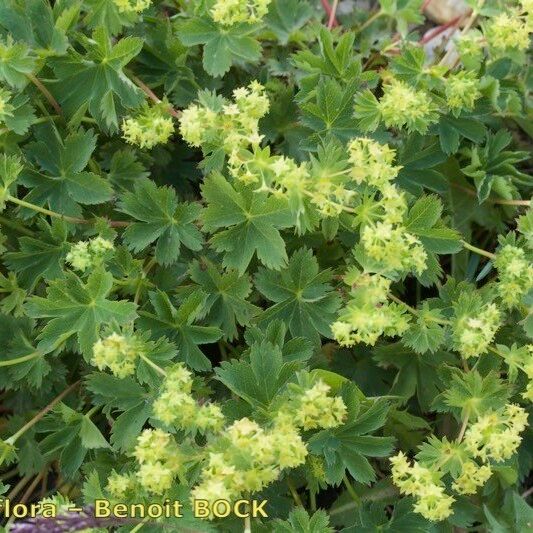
(268, 249)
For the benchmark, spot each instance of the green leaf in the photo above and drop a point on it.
(471, 394)
(161, 218)
(286, 17)
(258, 380)
(90, 435)
(303, 296)
(425, 335)
(331, 112)
(95, 81)
(227, 292)
(62, 184)
(346, 447)
(22, 115)
(223, 45)
(15, 63)
(10, 168)
(179, 326)
(423, 220)
(253, 220)
(300, 522)
(424, 214)
(41, 256)
(78, 309)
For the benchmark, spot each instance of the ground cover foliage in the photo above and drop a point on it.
(268, 249)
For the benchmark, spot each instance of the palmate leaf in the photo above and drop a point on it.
(425, 334)
(332, 111)
(34, 22)
(286, 17)
(126, 396)
(300, 522)
(347, 446)
(69, 437)
(161, 218)
(374, 517)
(78, 309)
(95, 81)
(105, 13)
(492, 161)
(227, 292)
(303, 296)
(223, 46)
(62, 183)
(40, 256)
(15, 63)
(253, 220)
(470, 393)
(258, 380)
(178, 325)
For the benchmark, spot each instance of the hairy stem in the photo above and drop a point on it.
(477, 250)
(23, 359)
(46, 93)
(42, 413)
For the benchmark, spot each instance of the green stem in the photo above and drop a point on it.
(247, 524)
(463, 428)
(23, 359)
(294, 493)
(42, 210)
(41, 414)
(312, 499)
(16, 226)
(477, 250)
(369, 21)
(150, 363)
(53, 214)
(351, 490)
(47, 94)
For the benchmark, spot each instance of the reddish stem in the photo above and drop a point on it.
(152, 95)
(440, 29)
(329, 11)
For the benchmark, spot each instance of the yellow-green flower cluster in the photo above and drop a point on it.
(424, 485)
(117, 352)
(177, 407)
(496, 435)
(247, 458)
(118, 485)
(515, 274)
(507, 32)
(313, 408)
(368, 315)
(472, 335)
(88, 254)
(472, 476)
(132, 6)
(462, 91)
(403, 106)
(383, 236)
(159, 458)
(283, 176)
(230, 12)
(372, 162)
(150, 127)
(235, 125)
(394, 247)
